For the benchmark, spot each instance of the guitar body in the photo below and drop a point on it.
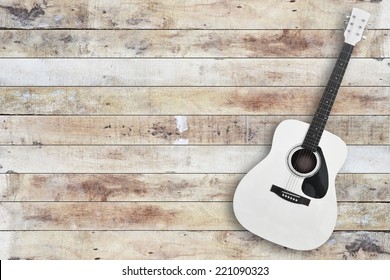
(289, 197)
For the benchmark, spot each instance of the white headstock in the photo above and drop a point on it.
(355, 27)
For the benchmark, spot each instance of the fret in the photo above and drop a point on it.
(321, 115)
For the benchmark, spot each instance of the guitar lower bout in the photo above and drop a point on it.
(289, 197)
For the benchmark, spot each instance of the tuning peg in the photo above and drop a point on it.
(347, 16)
(345, 21)
(364, 37)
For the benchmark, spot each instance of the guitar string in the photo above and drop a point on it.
(306, 154)
(293, 181)
(324, 108)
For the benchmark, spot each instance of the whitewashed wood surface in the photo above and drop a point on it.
(128, 124)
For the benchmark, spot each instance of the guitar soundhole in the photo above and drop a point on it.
(303, 161)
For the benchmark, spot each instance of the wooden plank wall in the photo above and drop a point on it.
(126, 125)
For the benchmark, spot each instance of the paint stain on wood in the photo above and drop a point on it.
(253, 103)
(366, 244)
(290, 41)
(149, 214)
(23, 14)
(97, 190)
(162, 131)
(42, 216)
(67, 39)
(139, 47)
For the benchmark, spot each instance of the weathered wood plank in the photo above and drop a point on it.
(164, 159)
(171, 14)
(183, 245)
(189, 100)
(188, 72)
(200, 130)
(362, 187)
(161, 216)
(186, 43)
(164, 187)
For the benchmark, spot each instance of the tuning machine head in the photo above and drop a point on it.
(355, 26)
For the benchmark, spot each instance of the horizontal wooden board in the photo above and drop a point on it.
(189, 100)
(188, 72)
(164, 159)
(164, 187)
(198, 130)
(171, 14)
(160, 245)
(187, 43)
(161, 216)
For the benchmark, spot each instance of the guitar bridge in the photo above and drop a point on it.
(290, 196)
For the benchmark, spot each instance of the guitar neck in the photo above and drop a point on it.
(321, 115)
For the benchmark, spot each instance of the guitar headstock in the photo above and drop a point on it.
(355, 27)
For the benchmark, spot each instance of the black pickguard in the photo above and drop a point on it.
(317, 185)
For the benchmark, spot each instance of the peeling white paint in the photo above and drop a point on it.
(25, 96)
(72, 96)
(181, 123)
(365, 220)
(181, 141)
(58, 18)
(58, 92)
(331, 242)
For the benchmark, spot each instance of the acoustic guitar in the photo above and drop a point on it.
(289, 198)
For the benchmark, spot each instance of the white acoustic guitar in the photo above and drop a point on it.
(289, 197)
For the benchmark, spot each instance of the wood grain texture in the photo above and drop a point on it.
(164, 159)
(209, 14)
(162, 216)
(188, 72)
(189, 100)
(201, 130)
(183, 245)
(152, 111)
(164, 187)
(187, 43)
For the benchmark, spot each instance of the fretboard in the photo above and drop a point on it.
(321, 115)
